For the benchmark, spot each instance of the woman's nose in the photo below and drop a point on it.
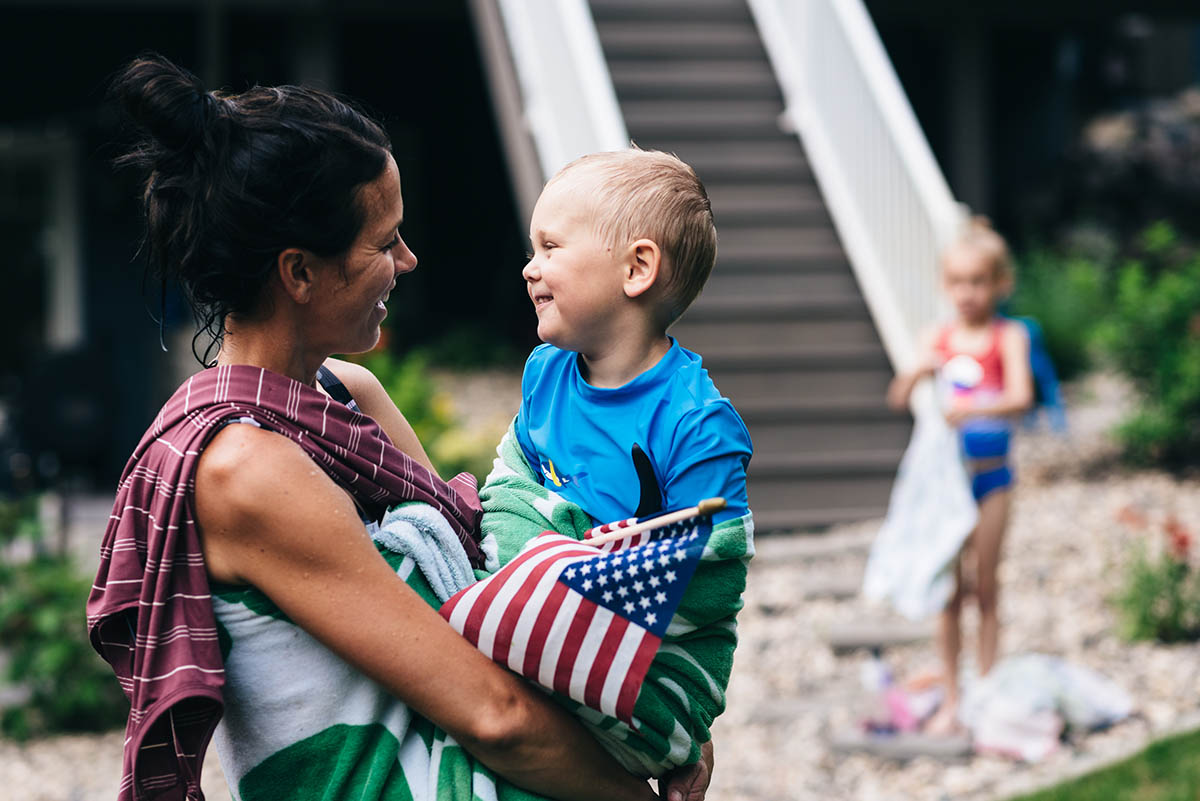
(406, 260)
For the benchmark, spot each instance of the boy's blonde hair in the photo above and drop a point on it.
(979, 236)
(648, 194)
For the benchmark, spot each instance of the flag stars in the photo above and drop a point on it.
(644, 601)
(680, 555)
(602, 579)
(585, 568)
(629, 607)
(633, 568)
(651, 618)
(660, 597)
(622, 590)
(655, 581)
(608, 596)
(570, 573)
(587, 585)
(664, 559)
(669, 576)
(638, 586)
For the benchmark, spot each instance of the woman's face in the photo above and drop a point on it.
(351, 308)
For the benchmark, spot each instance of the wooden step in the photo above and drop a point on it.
(731, 279)
(676, 38)
(727, 160)
(775, 409)
(708, 336)
(741, 385)
(692, 119)
(778, 244)
(809, 519)
(783, 356)
(698, 78)
(727, 11)
(711, 307)
(846, 436)
(788, 203)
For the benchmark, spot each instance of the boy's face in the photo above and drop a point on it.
(574, 278)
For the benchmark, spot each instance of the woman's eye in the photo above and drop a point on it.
(395, 241)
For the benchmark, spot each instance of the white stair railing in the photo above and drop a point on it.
(570, 107)
(885, 193)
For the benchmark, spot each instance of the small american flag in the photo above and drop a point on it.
(582, 620)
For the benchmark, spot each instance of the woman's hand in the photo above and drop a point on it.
(690, 782)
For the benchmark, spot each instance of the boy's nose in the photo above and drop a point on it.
(530, 272)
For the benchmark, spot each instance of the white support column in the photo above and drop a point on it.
(64, 270)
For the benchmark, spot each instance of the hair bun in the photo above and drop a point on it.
(168, 101)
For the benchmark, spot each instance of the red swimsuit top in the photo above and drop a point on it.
(990, 360)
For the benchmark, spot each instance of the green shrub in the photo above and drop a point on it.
(1160, 598)
(431, 413)
(1153, 337)
(43, 631)
(1067, 296)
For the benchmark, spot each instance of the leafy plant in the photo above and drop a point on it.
(1153, 337)
(1160, 599)
(431, 413)
(1067, 296)
(67, 686)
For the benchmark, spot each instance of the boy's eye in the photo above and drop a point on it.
(529, 255)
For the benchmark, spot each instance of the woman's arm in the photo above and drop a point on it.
(373, 399)
(269, 518)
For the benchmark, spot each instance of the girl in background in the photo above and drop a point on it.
(982, 363)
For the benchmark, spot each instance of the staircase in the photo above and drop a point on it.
(781, 325)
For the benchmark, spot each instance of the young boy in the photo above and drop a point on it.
(616, 415)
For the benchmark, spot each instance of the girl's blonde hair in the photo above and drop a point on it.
(978, 235)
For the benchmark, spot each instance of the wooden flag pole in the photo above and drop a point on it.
(707, 506)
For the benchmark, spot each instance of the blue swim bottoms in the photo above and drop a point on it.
(990, 480)
(987, 440)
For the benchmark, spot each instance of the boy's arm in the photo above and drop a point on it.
(712, 450)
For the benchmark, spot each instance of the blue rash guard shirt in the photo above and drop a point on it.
(580, 438)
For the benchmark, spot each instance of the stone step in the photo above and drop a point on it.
(903, 747)
(857, 635)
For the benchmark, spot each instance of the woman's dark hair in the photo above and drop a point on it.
(234, 179)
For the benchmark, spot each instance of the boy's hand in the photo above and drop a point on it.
(690, 782)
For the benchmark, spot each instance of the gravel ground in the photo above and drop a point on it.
(1075, 516)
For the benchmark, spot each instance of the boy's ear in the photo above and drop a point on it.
(642, 267)
(296, 270)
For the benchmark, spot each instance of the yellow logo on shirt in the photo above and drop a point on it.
(552, 474)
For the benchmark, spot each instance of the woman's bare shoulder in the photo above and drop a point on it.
(361, 383)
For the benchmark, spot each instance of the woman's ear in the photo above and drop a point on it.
(642, 267)
(296, 273)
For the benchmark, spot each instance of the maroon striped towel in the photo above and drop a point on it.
(150, 613)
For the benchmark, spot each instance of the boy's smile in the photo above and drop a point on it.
(573, 278)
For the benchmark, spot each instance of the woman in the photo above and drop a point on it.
(278, 211)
